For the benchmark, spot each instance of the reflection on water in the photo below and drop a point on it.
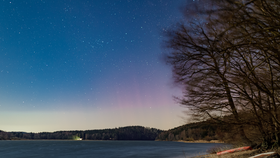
(104, 149)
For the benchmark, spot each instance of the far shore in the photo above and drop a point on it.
(65, 140)
(184, 141)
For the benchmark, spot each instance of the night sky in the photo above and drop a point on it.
(86, 64)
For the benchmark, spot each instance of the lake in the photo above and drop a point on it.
(102, 149)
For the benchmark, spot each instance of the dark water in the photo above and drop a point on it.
(101, 149)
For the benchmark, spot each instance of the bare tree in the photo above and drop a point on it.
(228, 63)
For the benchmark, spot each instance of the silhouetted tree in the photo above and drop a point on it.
(226, 56)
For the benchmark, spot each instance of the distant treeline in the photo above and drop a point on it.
(190, 132)
(123, 133)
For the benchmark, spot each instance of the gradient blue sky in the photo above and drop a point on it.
(86, 64)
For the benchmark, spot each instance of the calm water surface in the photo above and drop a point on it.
(101, 149)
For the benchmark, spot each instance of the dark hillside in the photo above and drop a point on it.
(189, 132)
(122, 133)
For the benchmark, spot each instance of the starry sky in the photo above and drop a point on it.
(86, 64)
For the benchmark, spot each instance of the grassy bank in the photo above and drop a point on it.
(241, 154)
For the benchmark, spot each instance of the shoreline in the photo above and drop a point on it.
(201, 141)
(194, 141)
(183, 141)
(66, 140)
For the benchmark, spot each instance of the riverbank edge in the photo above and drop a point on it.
(201, 141)
(195, 141)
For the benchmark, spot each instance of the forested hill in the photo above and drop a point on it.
(191, 132)
(122, 133)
